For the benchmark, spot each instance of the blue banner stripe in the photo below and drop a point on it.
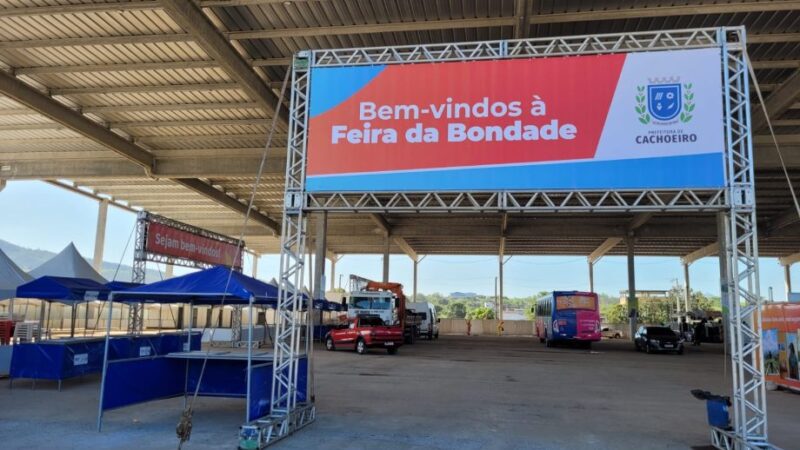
(331, 86)
(669, 172)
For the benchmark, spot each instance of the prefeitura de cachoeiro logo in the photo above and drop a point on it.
(665, 101)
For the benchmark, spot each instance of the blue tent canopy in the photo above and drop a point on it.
(122, 285)
(206, 287)
(63, 289)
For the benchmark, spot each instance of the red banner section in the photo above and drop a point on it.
(165, 240)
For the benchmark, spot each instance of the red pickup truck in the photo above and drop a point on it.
(365, 332)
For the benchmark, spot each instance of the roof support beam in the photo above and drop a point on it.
(79, 8)
(145, 88)
(27, 96)
(131, 67)
(99, 109)
(637, 222)
(167, 167)
(189, 17)
(338, 30)
(522, 22)
(789, 260)
(94, 196)
(228, 201)
(347, 29)
(97, 40)
(386, 228)
(782, 220)
(778, 102)
(708, 250)
(603, 248)
(665, 11)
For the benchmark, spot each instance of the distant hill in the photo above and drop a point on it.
(463, 295)
(28, 259)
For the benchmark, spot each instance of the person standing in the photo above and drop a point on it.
(699, 332)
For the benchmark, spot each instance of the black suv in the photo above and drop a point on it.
(657, 339)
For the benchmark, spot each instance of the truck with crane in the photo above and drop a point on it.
(385, 300)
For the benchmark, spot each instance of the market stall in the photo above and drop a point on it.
(61, 359)
(233, 373)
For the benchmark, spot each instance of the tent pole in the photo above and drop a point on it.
(105, 362)
(189, 346)
(73, 316)
(49, 312)
(249, 356)
(86, 319)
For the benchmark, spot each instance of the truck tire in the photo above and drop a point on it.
(329, 344)
(361, 347)
(392, 350)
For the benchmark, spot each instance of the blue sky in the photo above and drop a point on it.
(38, 215)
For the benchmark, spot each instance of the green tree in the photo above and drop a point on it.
(615, 313)
(530, 312)
(655, 310)
(456, 310)
(700, 301)
(481, 313)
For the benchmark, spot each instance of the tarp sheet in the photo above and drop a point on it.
(62, 359)
(122, 285)
(206, 287)
(129, 382)
(67, 290)
(56, 361)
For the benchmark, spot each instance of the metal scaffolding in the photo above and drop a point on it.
(735, 204)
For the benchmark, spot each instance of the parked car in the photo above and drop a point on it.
(657, 339)
(364, 332)
(610, 333)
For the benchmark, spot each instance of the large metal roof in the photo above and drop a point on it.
(94, 92)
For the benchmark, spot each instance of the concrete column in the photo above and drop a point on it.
(169, 271)
(787, 279)
(386, 259)
(333, 271)
(256, 256)
(319, 267)
(633, 303)
(591, 276)
(500, 289)
(687, 292)
(414, 294)
(2, 184)
(100, 235)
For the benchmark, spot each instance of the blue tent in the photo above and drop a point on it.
(207, 287)
(122, 285)
(62, 289)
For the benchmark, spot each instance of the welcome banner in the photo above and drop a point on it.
(620, 121)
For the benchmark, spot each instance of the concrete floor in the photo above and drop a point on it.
(458, 392)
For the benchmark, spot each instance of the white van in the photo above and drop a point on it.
(429, 326)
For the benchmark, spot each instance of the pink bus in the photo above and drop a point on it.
(568, 316)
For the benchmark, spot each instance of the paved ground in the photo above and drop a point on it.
(459, 392)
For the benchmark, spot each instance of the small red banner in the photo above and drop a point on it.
(165, 240)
